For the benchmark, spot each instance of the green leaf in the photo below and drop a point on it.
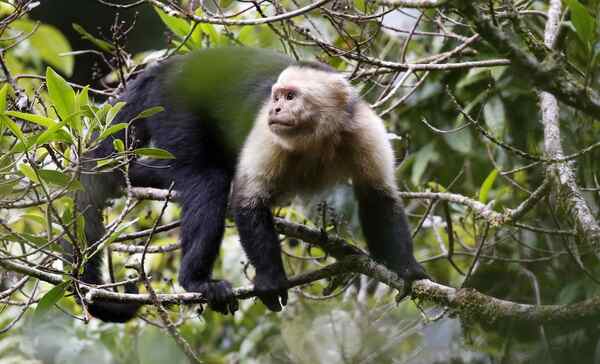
(81, 106)
(54, 136)
(115, 234)
(422, 159)
(487, 185)
(36, 119)
(246, 35)
(27, 239)
(195, 40)
(149, 112)
(178, 26)
(102, 44)
(223, 4)
(61, 94)
(213, 36)
(570, 293)
(6, 187)
(113, 111)
(80, 228)
(6, 9)
(105, 162)
(155, 153)
(498, 71)
(436, 187)
(91, 112)
(50, 45)
(584, 23)
(67, 215)
(13, 127)
(3, 93)
(40, 220)
(103, 111)
(83, 98)
(59, 179)
(49, 300)
(28, 172)
(119, 146)
(474, 75)
(54, 133)
(460, 141)
(23, 146)
(494, 116)
(111, 130)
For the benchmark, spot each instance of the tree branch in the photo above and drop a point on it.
(550, 75)
(563, 173)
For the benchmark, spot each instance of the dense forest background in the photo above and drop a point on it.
(493, 110)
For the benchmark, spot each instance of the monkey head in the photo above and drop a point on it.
(308, 103)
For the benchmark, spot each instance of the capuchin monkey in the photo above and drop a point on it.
(249, 129)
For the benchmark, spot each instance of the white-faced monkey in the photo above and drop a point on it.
(249, 128)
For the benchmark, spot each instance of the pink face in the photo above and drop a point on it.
(289, 111)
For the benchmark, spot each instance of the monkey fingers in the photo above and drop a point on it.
(272, 290)
(219, 296)
(413, 272)
(275, 300)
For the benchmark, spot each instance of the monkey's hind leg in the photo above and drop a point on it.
(387, 232)
(204, 198)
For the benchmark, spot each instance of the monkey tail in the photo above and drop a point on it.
(97, 190)
(108, 311)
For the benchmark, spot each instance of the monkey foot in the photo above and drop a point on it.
(219, 296)
(272, 290)
(409, 273)
(413, 272)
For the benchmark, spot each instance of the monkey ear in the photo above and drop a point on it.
(343, 91)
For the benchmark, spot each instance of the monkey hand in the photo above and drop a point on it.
(272, 290)
(219, 296)
(412, 271)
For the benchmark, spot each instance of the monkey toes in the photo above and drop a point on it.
(413, 272)
(272, 290)
(219, 296)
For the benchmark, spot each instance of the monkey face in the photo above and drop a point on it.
(290, 113)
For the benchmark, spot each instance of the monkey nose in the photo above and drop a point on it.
(277, 110)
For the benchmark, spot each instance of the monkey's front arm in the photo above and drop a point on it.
(261, 244)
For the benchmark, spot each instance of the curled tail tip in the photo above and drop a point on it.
(117, 312)
(113, 312)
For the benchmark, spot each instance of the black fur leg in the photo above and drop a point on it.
(388, 235)
(97, 190)
(219, 295)
(272, 291)
(204, 198)
(259, 239)
(113, 311)
(148, 175)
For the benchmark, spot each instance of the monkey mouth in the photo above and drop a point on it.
(281, 124)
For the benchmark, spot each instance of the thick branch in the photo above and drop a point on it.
(418, 4)
(549, 76)
(466, 302)
(471, 304)
(224, 21)
(563, 173)
(482, 210)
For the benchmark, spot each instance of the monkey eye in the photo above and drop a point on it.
(290, 95)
